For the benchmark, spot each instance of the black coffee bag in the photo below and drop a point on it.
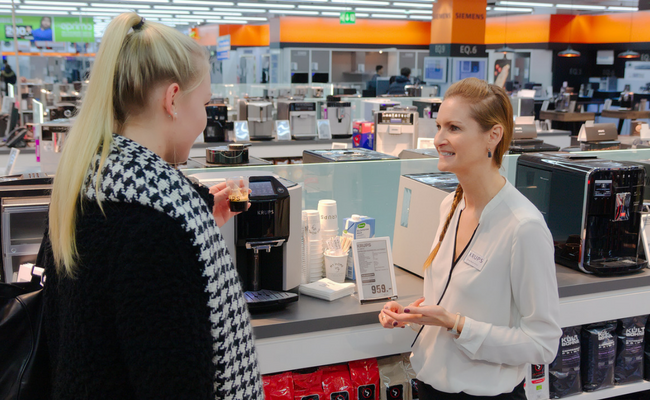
(564, 371)
(598, 356)
(629, 349)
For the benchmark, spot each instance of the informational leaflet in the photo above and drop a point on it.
(375, 272)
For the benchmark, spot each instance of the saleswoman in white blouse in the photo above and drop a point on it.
(490, 303)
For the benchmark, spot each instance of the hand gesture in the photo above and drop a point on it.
(419, 314)
(388, 322)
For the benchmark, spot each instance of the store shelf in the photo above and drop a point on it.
(613, 392)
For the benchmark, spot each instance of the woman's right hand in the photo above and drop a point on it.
(388, 322)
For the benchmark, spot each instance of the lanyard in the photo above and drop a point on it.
(454, 262)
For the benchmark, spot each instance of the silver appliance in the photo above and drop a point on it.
(417, 217)
(260, 120)
(51, 142)
(413, 90)
(522, 106)
(370, 106)
(428, 111)
(343, 155)
(276, 93)
(301, 116)
(396, 130)
(339, 114)
(563, 102)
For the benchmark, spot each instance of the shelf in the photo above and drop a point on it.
(615, 391)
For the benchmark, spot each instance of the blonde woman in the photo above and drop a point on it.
(490, 302)
(142, 298)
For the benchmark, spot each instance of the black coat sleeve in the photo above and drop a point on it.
(162, 315)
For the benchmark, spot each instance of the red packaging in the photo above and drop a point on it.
(337, 384)
(365, 378)
(278, 387)
(308, 386)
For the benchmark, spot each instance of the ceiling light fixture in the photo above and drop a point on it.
(388, 16)
(613, 8)
(262, 5)
(505, 49)
(569, 52)
(367, 3)
(510, 9)
(525, 4)
(122, 6)
(580, 7)
(380, 10)
(412, 5)
(58, 3)
(325, 8)
(629, 53)
(296, 12)
(173, 8)
(203, 3)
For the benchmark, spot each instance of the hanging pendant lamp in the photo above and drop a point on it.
(505, 49)
(569, 52)
(629, 53)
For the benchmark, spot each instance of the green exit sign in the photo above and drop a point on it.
(348, 17)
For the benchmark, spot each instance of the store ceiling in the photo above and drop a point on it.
(193, 12)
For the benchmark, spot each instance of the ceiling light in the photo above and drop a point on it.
(90, 10)
(36, 12)
(423, 17)
(303, 1)
(213, 13)
(262, 5)
(569, 53)
(356, 14)
(294, 12)
(325, 8)
(58, 3)
(143, 1)
(162, 12)
(580, 7)
(247, 18)
(629, 54)
(204, 3)
(510, 9)
(381, 10)
(488, 8)
(504, 49)
(182, 8)
(123, 6)
(100, 14)
(331, 14)
(47, 9)
(233, 22)
(429, 12)
(250, 10)
(612, 8)
(387, 16)
(413, 5)
(368, 3)
(525, 4)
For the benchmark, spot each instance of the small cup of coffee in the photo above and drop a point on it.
(238, 197)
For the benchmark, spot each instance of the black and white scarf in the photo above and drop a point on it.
(134, 174)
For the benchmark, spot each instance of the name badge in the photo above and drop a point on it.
(475, 260)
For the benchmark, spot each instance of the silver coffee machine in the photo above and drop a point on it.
(428, 112)
(260, 120)
(396, 130)
(339, 114)
(301, 116)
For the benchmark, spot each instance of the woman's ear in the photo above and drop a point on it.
(171, 94)
(495, 135)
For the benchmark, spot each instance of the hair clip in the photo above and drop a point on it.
(139, 25)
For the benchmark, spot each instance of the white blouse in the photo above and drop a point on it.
(505, 286)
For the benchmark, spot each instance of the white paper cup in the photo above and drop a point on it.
(335, 267)
(329, 218)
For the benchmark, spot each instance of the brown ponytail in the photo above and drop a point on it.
(434, 252)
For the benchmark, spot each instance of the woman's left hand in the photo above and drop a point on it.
(423, 315)
(221, 210)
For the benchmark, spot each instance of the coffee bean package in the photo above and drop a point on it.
(598, 342)
(411, 375)
(394, 382)
(365, 378)
(629, 349)
(564, 371)
(308, 386)
(337, 384)
(278, 387)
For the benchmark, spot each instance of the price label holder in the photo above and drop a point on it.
(12, 161)
(374, 269)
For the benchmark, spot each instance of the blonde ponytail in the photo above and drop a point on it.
(457, 196)
(128, 65)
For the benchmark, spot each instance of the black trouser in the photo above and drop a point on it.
(427, 392)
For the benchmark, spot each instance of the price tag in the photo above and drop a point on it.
(374, 269)
(12, 161)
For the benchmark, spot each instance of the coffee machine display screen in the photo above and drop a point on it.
(603, 188)
(264, 188)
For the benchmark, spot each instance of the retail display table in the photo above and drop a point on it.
(315, 332)
(622, 115)
(567, 116)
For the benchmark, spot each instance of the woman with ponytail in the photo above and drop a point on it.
(490, 304)
(142, 300)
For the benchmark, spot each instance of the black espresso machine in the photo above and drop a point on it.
(218, 126)
(591, 206)
(261, 241)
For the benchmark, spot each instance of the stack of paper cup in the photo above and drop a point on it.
(329, 219)
(314, 247)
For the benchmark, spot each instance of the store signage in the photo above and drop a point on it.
(48, 29)
(374, 269)
(348, 17)
(223, 47)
